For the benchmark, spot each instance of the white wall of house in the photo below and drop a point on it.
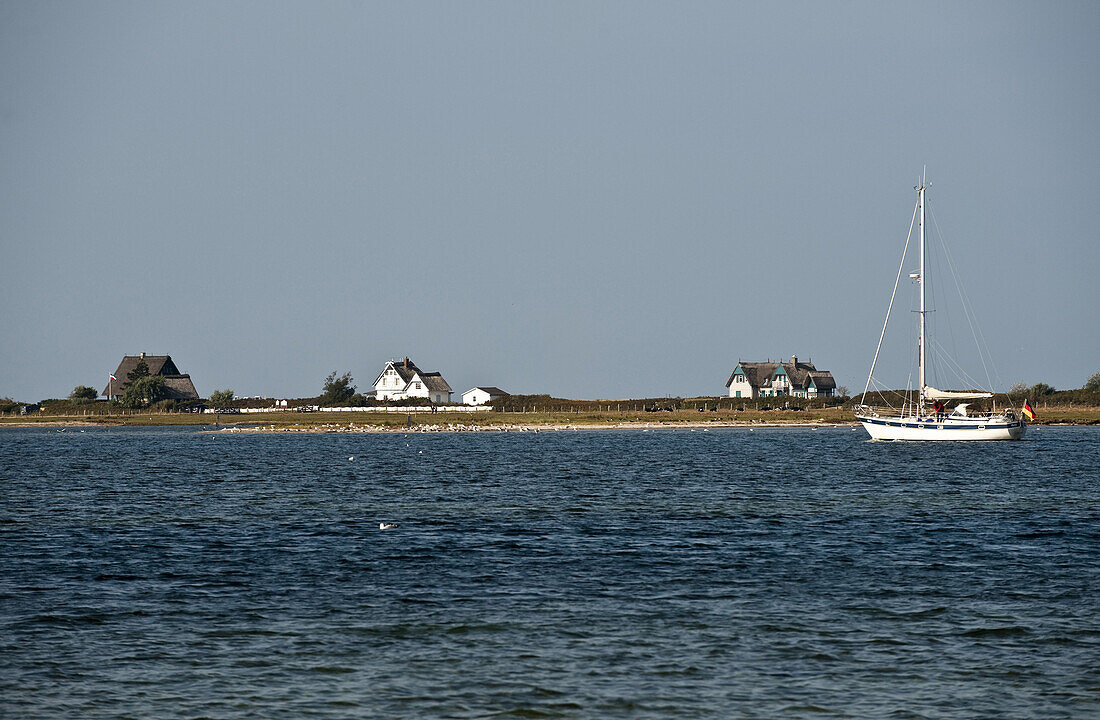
(416, 387)
(476, 396)
(741, 387)
(390, 386)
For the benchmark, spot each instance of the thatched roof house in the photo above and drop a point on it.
(401, 379)
(771, 379)
(178, 385)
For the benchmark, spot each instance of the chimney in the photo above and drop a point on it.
(143, 356)
(406, 362)
(794, 360)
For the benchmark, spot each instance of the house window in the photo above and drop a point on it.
(418, 386)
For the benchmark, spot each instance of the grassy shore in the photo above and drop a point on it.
(1076, 415)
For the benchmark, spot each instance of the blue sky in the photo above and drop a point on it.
(591, 199)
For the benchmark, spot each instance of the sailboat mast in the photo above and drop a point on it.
(920, 355)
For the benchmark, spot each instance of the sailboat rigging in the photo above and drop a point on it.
(928, 418)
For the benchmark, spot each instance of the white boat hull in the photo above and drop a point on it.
(909, 428)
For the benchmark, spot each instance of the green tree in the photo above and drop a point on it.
(83, 394)
(1093, 383)
(221, 398)
(337, 390)
(140, 370)
(1018, 389)
(1040, 389)
(144, 391)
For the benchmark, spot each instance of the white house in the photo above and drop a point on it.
(771, 379)
(481, 395)
(402, 379)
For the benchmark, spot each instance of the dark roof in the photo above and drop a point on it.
(823, 380)
(489, 389)
(405, 370)
(797, 372)
(435, 382)
(158, 365)
(180, 387)
(757, 373)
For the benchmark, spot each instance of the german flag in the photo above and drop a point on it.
(1028, 411)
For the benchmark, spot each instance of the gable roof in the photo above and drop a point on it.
(757, 373)
(158, 365)
(435, 382)
(797, 372)
(405, 369)
(823, 380)
(180, 387)
(492, 390)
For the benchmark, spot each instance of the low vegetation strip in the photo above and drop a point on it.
(575, 415)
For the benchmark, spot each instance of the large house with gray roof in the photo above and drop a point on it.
(774, 379)
(177, 385)
(402, 379)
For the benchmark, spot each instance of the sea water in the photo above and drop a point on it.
(595, 574)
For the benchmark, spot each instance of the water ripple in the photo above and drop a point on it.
(795, 574)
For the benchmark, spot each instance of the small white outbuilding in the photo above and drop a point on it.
(481, 395)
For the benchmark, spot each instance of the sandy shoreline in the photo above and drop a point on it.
(524, 427)
(461, 427)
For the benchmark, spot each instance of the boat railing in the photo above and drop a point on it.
(893, 412)
(881, 411)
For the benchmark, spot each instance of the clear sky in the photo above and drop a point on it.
(589, 199)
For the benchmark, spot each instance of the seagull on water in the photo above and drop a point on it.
(387, 526)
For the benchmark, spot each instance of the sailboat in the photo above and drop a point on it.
(928, 418)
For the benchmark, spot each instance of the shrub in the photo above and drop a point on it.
(83, 394)
(1040, 389)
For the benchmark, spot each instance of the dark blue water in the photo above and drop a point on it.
(767, 574)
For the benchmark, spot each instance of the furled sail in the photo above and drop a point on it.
(931, 393)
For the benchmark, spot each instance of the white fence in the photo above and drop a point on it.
(378, 409)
